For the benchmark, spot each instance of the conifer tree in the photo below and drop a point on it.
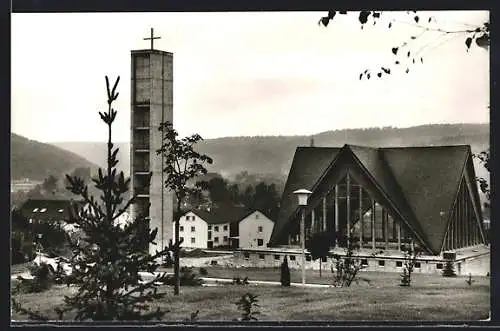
(285, 273)
(108, 257)
(449, 269)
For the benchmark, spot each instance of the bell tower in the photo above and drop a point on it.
(151, 104)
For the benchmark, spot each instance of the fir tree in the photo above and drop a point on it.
(108, 257)
(285, 273)
(449, 269)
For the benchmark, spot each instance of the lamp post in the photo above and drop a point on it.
(302, 196)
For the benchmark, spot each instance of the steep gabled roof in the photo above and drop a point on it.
(429, 178)
(421, 181)
(373, 160)
(235, 226)
(308, 165)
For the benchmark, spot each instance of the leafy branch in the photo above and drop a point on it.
(181, 164)
(405, 53)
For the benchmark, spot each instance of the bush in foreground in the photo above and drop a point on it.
(248, 305)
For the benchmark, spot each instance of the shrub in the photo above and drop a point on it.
(405, 277)
(203, 271)
(411, 253)
(347, 267)
(23, 249)
(239, 281)
(42, 280)
(193, 317)
(187, 278)
(449, 269)
(469, 280)
(285, 273)
(248, 305)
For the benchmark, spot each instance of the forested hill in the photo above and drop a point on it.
(35, 160)
(273, 154)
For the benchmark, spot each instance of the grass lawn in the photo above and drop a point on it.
(431, 297)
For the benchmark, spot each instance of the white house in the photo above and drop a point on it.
(193, 230)
(254, 230)
(205, 229)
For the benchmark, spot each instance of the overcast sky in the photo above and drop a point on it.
(241, 74)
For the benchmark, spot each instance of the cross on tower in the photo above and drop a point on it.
(152, 38)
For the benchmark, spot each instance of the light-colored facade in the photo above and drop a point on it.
(198, 233)
(151, 105)
(218, 234)
(255, 230)
(193, 230)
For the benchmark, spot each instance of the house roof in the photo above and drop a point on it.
(221, 215)
(50, 209)
(421, 181)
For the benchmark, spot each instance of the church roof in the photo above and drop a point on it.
(308, 165)
(421, 181)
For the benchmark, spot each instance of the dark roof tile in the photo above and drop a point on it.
(429, 178)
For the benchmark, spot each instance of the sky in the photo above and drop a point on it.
(244, 74)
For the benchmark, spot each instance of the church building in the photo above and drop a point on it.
(427, 196)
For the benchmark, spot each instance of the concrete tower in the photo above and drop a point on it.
(151, 104)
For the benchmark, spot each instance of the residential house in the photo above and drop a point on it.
(252, 230)
(42, 210)
(208, 228)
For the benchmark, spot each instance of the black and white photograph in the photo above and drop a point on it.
(250, 167)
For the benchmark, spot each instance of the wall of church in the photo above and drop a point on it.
(476, 264)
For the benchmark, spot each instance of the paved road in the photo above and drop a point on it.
(209, 280)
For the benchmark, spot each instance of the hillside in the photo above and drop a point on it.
(273, 154)
(35, 160)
